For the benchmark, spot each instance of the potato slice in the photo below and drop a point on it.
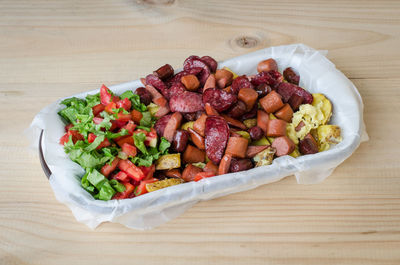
(163, 184)
(264, 157)
(322, 103)
(327, 135)
(169, 161)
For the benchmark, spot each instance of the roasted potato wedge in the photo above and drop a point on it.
(169, 161)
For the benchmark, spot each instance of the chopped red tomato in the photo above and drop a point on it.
(97, 109)
(148, 171)
(105, 95)
(130, 127)
(110, 106)
(141, 189)
(125, 104)
(76, 136)
(97, 120)
(65, 138)
(115, 124)
(68, 126)
(202, 175)
(104, 143)
(151, 137)
(124, 117)
(127, 139)
(129, 168)
(115, 99)
(129, 188)
(107, 169)
(129, 149)
(122, 176)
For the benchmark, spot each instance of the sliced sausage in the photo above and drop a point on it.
(211, 167)
(164, 72)
(200, 124)
(145, 96)
(239, 83)
(180, 141)
(276, 128)
(256, 133)
(308, 145)
(237, 147)
(252, 150)
(189, 172)
(161, 123)
(212, 64)
(248, 96)
(216, 137)
(237, 110)
(210, 82)
(240, 165)
(223, 78)
(219, 99)
(210, 110)
(173, 173)
(173, 124)
(193, 155)
(153, 91)
(262, 120)
(186, 102)
(197, 139)
(267, 65)
(190, 82)
(233, 122)
(291, 76)
(225, 164)
(285, 113)
(283, 145)
(271, 102)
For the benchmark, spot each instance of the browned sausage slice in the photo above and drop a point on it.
(189, 172)
(225, 164)
(197, 139)
(252, 150)
(283, 146)
(276, 128)
(237, 147)
(271, 102)
(172, 125)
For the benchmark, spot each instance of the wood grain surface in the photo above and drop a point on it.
(51, 49)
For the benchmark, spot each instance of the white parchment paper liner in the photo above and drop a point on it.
(317, 73)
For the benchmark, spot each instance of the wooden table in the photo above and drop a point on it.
(52, 49)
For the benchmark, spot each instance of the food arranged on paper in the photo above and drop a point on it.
(198, 123)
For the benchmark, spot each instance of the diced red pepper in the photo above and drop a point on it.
(129, 149)
(107, 169)
(97, 109)
(202, 175)
(105, 95)
(110, 106)
(141, 189)
(129, 188)
(126, 139)
(148, 171)
(131, 169)
(125, 104)
(122, 176)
